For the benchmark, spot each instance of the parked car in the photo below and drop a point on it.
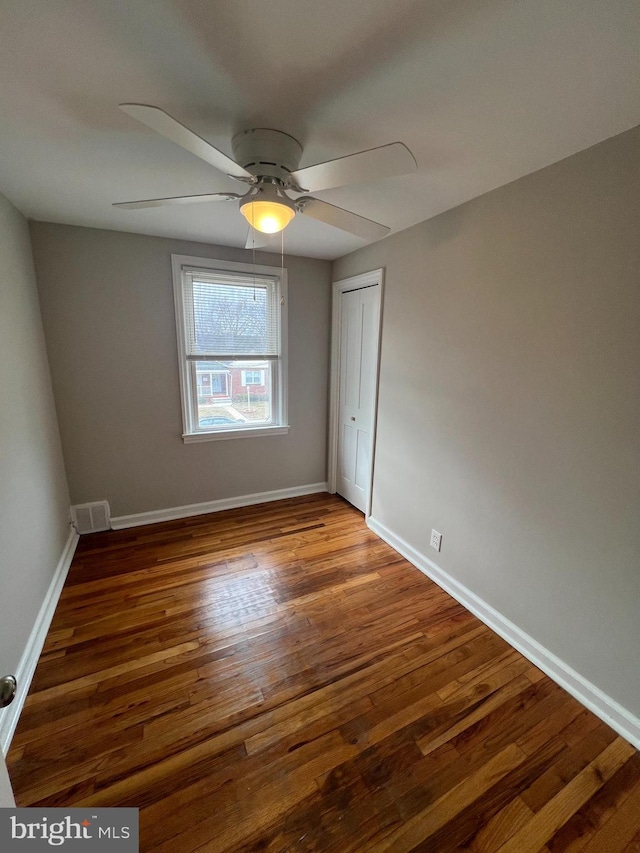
(219, 419)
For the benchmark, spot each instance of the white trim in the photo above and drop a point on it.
(29, 660)
(373, 278)
(603, 706)
(236, 432)
(172, 513)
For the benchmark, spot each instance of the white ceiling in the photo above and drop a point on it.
(482, 92)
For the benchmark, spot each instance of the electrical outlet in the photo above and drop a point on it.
(436, 540)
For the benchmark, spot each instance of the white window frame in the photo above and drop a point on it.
(188, 387)
(259, 370)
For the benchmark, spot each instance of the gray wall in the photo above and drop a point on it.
(107, 305)
(509, 415)
(34, 500)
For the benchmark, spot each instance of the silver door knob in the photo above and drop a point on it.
(8, 687)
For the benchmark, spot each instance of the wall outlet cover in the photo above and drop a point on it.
(436, 540)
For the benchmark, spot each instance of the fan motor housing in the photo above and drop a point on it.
(267, 153)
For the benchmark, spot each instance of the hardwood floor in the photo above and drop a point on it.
(276, 678)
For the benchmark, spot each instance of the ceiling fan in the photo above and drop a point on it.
(267, 161)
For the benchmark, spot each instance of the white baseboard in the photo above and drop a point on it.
(121, 521)
(607, 709)
(29, 660)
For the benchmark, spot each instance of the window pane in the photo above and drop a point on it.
(227, 318)
(228, 397)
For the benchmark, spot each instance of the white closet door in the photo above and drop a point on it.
(359, 329)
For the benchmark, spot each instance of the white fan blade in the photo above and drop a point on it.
(180, 199)
(257, 240)
(340, 218)
(166, 125)
(372, 165)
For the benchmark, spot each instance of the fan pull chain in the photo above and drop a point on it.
(253, 246)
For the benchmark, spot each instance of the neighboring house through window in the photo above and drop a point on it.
(211, 383)
(232, 335)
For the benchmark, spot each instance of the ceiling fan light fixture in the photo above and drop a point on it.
(267, 211)
(267, 216)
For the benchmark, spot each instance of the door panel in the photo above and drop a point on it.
(6, 794)
(363, 461)
(348, 455)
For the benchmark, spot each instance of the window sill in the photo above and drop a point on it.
(223, 435)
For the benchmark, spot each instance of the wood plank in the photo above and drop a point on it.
(620, 830)
(576, 833)
(428, 821)
(566, 803)
(501, 826)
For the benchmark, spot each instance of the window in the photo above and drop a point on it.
(252, 377)
(231, 324)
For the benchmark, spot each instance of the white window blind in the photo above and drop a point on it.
(230, 315)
